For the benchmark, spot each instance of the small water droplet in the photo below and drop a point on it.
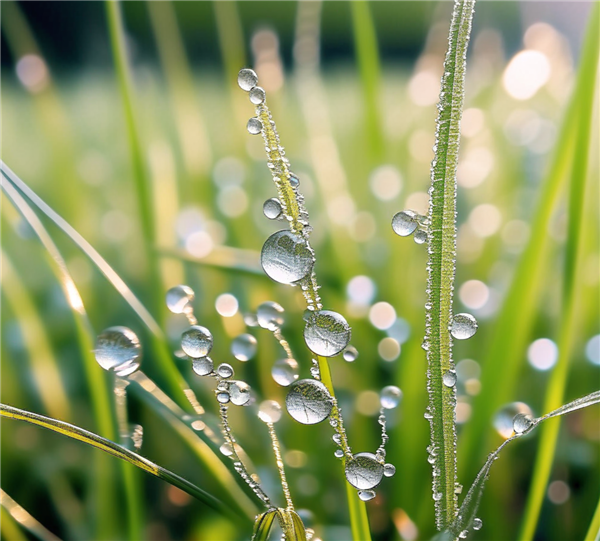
(250, 319)
(239, 392)
(202, 366)
(366, 495)
(364, 471)
(272, 208)
(522, 423)
(179, 299)
(449, 378)
(254, 126)
(226, 449)
(269, 411)
(333, 422)
(337, 439)
(431, 459)
(477, 523)
(458, 488)
(390, 397)
(225, 370)
(243, 347)
(308, 401)
(257, 95)
(286, 257)
(504, 418)
(404, 223)
(223, 397)
(339, 453)
(294, 180)
(350, 354)
(223, 386)
(389, 470)
(420, 236)
(247, 79)
(270, 315)
(118, 350)
(437, 496)
(327, 333)
(463, 326)
(196, 342)
(285, 372)
(463, 534)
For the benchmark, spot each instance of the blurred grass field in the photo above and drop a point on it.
(359, 135)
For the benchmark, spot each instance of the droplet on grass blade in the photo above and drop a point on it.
(247, 79)
(257, 95)
(463, 326)
(118, 350)
(286, 257)
(522, 422)
(308, 401)
(203, 366)
(339, 453)
(243, 347)
(366, 495)
(272, 208)
(350, 354)
(390, 397)
(477, 523)
(420, 236)
(179, 299)
(239, 392)
(254, 126)
(364, 471)
(196, 342)
(503, 420)
(327, 333)
(389, 470)
(449, 378)
(405, 222)
(225, 370)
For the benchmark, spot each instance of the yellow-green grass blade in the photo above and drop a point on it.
(118, 451)
(263, 525)
(9, 527)
(593, 533)
(569, 317)
(25, 519)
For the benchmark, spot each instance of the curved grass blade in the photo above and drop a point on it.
(25, 519)
(263, 525)
(468, 509)
(117, 451)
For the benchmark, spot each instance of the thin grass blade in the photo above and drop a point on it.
(25, 519)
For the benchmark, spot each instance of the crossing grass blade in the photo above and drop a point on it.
(25, 519)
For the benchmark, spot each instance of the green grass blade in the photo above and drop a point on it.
(568, 324)
(117, 451)
(224, 258)
(442, 265)
(9, 527)
(25, 519)
(263, 525)
(593, 533)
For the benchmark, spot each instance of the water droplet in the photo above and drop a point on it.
(431, 459)
(285, 372)
(243, 347)
(225, 370)
(308, 401)
(503, 420)
(463, 326)
(239, 392)
(270, 315)
(118, 349)
(272, 208)
(226, 449)
(179, 299)
(389, 470)
(339, 453)
(250, 320)
(327, 333)
(286, 257)
(463, 534)
(404, 223)
(437, 496)
(458, 488)
(522, 423)
(350, 354)
(257, 95)
(247, 79)
(223, 397)
(420, 236)
(390, 397)
(202, 366)
(363, 471)
(269, 411)
(477, 523)
(294, 180)
(449, 378)
(337, 439)
(366, 495)
(223, 386)
(196, 342)
(254, 126)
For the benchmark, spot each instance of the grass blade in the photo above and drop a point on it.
(593, 533)
(25, 519)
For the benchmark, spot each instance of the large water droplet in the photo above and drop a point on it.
(308, 401)
(449, 378)
(254, 126)
(225, 370)
(366, 495)
(390, 397)
(179, 299)
(463, 326)
(522, 423)
(350, 354)
(272, 208)
(404, 223)
(270, 315)
(243, 347)
(257, 95)
(477, 523)
(226, 449)
(285, 372)
(286, 257)
(503, 420)
(196, 342)
(118, 349)
(327, 333)
(239, 392)
(269, 411)
(247, 79)
(202, 366)
(363, 471)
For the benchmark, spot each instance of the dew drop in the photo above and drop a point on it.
(179, 299)
(363, 471)
(223, 397)
(257, 95)
(239, 392)
(225, 370)
(522, 422)
(223, 386)
(285, 372)
(327, 333)
(118, 350)
(272, 208)
(269, 411)
(254, 126)
(196, 342)
(477, 523)
(449, 378)
(250, 319)
(463, 534)
(389, 470)
(247, 79)
(503, 420)
(294, 180)
(463, 326)
(431, 459)
(202, 366)
(404, 223)
(420, 236)
(337, 439)
(390, 397)
(226, 449)
(286, 257)
(243, 347)
(339, 453)
(308, 401)
(437, 496)
(270, 315)
(350, 354)
(366, 495)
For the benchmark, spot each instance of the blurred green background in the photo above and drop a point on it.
(354, 100)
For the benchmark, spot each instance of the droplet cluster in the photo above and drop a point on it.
(409, 222)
